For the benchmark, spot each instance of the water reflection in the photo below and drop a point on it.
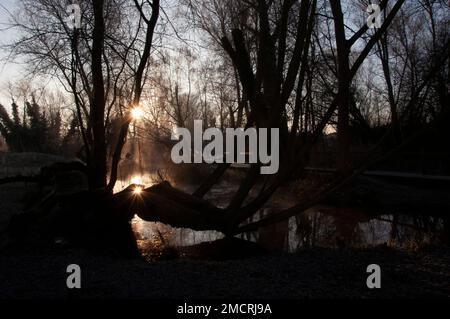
(313, 229)
(324, 229)
(164, 235)
(317, 227)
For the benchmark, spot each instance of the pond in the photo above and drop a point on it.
(316, 229)
(320, 226)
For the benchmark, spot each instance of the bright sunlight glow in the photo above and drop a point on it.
(136, 180)
(137, 190)
(137, 113)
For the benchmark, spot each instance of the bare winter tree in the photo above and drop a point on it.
(268, 43)
(287, 64)
(103, 65)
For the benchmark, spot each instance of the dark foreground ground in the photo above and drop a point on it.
(318, 273)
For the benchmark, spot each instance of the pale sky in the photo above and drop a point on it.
(8, 71)
(14, 72)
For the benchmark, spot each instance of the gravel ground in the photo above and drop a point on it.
(318, 273)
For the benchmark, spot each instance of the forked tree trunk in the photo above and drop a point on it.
(138, 87)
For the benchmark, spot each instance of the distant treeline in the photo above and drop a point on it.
(35, 129)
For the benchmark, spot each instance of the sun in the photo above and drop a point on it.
(137, 190)
(137, 113)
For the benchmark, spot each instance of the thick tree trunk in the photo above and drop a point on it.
(138, 86)
(97, 169)
(163, 203)
(344, 82)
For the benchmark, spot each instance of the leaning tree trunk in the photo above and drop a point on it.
(163, 203)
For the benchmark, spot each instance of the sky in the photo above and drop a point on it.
(13, 72)
(8, 71)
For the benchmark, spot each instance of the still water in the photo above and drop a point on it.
(318, 227)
